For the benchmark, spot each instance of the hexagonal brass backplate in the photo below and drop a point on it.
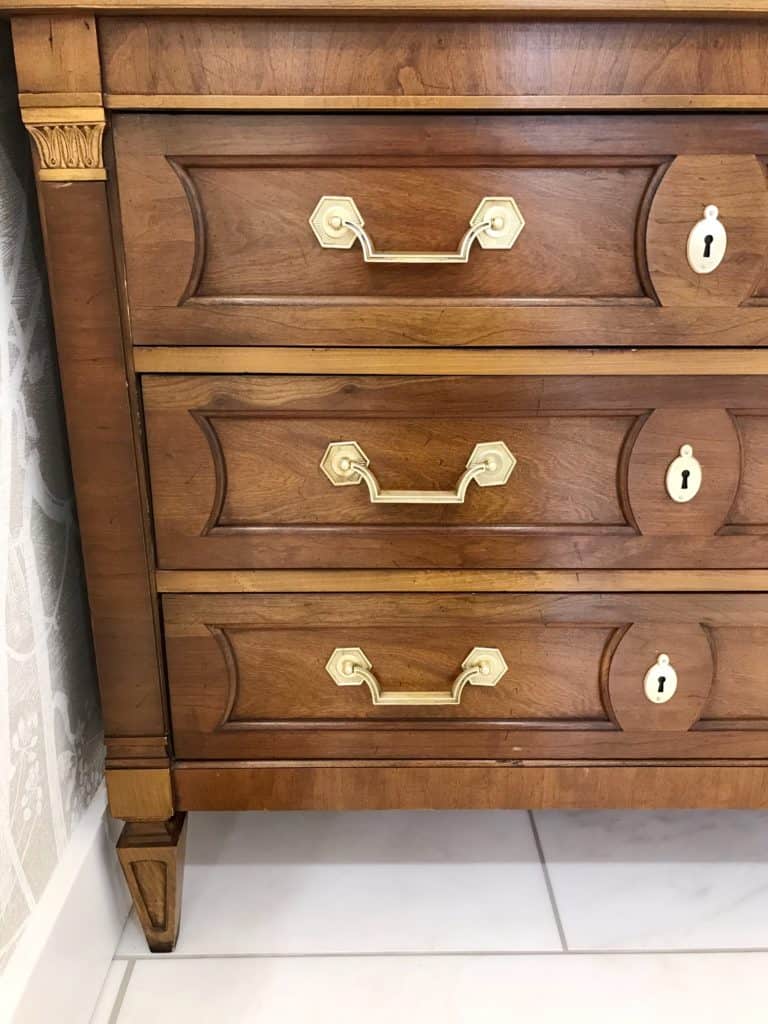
(502, 463)
(491, 663)
(506, 222)
(337, 462)
(327, 221)
(342, 664)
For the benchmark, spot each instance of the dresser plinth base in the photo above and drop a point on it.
(151, 855)
(389, 785)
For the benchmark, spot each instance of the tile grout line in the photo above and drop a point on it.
(429, 954)
(548, 882)
(117, 1006)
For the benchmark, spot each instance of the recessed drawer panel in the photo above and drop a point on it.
(468, 675)
(458, 472)
(362, 230)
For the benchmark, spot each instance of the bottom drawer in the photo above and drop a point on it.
(430, 676)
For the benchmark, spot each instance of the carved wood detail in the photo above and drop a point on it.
(68, 142)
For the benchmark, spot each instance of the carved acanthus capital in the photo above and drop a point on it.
(68, 142)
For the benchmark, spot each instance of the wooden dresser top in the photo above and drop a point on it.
(512, 8)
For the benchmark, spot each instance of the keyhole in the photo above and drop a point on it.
(662, 680)
(686, 474)
(708, 240)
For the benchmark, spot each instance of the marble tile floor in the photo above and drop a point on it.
(460, 916)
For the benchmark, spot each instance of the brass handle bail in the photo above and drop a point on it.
(349, 666)
(345, 463)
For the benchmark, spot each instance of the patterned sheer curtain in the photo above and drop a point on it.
(50, 731)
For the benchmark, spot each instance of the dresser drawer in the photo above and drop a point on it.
(260, 471)
(228, 240)
(401, 675)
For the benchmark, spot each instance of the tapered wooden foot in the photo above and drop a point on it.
(152, 858)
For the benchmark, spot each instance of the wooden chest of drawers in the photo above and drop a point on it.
(414, 364)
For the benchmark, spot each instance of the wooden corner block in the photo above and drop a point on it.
(140, 794)
(152, 858)
(57, 52)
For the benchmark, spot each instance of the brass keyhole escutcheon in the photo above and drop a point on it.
(707, 242)
(684, 476)
(660, 681)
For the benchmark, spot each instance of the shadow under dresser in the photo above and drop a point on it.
(415, 370)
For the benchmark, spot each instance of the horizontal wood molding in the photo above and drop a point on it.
(286, 581)
(550, 8)
(411, 786)
(547, 362)
(200, 101)
(136, 747)
(60, 99)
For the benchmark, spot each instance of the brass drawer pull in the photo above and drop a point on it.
(489, 465)
(495, 224)
(483, 666)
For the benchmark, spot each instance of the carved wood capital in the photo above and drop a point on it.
(68, 142)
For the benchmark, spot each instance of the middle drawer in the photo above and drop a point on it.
(458, 472)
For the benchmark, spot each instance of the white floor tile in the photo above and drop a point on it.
(659, 880)
(361, 883)
(109, 992)
(634, 989)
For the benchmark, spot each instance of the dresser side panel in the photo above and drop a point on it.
(100, 429)
(58, 60)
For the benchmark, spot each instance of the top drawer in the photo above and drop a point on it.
(220, 249)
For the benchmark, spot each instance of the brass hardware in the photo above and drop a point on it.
(684, 476)
(660, 681)
(707, 242)
(345, 463)
(483, 666)
(338, 224)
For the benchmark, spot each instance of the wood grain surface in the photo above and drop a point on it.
(247, 675)
(219, 247)
(438, 58)
(696, 362)
(151, 855)
(104, 461)
(277, 581)
(364, 8)
(365, 785)
(237, 481)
